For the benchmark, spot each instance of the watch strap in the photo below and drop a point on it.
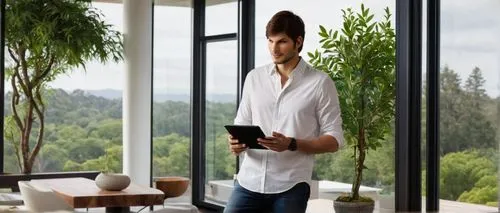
(293, 144)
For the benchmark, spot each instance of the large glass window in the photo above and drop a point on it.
(171, 92)
(334, 173)
(83, 114)
(469, 100)
(221, 79)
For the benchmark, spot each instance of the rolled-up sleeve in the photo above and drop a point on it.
(328, 111)
(244, 114)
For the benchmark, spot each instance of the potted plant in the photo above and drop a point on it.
(360, 58)
(44, 40)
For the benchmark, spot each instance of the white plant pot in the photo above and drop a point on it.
(112, 182)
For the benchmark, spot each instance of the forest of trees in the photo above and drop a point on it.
(84, 132)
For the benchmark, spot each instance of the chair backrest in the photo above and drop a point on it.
(38, 199)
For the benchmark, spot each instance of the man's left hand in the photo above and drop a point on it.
(278, 142)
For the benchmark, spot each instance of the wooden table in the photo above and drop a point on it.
(83, 193)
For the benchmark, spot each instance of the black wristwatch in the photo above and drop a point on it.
(293, 145)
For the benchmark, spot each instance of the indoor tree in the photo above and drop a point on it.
(46, 39)
(360, 58)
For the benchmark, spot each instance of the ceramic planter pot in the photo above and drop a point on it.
(353, 207)
(112, 182)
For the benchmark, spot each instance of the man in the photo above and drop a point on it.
(297, 107)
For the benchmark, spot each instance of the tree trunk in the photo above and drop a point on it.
(39, 109)
(27, 163)
(359, 164)
(361, 145)
(32, 108)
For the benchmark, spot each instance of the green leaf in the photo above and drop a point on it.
(322, 30)
(369, 18)
(310, 55)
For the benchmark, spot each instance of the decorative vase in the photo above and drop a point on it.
(112, 182)
(353, 207)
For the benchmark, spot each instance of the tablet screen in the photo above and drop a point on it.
(246, 134)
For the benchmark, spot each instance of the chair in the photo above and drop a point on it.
(174, 187)
(39, 199)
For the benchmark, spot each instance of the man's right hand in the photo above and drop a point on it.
(235, 147)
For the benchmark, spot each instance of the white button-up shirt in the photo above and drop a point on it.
(306, 107)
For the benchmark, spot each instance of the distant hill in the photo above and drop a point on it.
(106, 93)
(161, 97)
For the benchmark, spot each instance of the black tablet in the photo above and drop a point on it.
(247, 134)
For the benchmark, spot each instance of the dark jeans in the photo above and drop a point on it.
(292, 201)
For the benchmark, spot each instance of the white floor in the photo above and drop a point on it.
(446, 206)
(323, 206)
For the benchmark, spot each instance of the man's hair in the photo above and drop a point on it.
(288, 23)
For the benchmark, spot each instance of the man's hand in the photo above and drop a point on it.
(235, 147)
(278, 142)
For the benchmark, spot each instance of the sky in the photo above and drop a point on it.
(469, 32)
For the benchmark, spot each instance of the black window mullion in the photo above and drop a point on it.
(2, 80)
(220, 37)
(408, 99)
(247, 40)
(432, 145)
(196, 99)
(151, 151)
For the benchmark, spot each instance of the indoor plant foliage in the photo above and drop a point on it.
(46, 39)
(360, 58)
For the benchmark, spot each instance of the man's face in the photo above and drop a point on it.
(283, 48)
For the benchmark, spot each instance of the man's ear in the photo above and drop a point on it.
(299, 41)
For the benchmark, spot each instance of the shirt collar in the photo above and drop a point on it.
(299, 69)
